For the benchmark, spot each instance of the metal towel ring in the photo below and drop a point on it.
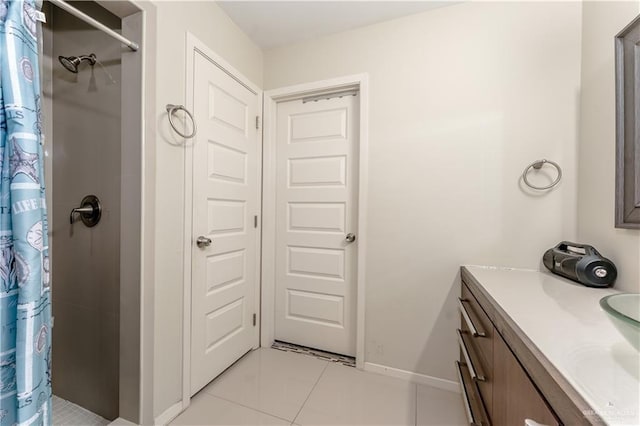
(171, 109)
(538, 165)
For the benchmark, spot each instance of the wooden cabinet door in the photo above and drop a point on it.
(515, 398)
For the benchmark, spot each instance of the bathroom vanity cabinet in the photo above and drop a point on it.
(505, 379)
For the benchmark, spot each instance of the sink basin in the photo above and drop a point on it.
(624, 311)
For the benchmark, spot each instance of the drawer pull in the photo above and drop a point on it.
(465, 352)
(467, 319)
(465, 396)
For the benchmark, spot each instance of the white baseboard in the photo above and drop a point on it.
(169, 414)
(423, 379)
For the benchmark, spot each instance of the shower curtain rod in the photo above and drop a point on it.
(89, 20)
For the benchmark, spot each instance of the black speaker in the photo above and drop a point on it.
(581, 263)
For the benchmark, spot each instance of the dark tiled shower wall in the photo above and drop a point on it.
(85, 261)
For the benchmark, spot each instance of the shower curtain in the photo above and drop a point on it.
(25, 305)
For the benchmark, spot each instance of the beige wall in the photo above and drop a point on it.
(213, 27)
(461, 100)
(596, 191)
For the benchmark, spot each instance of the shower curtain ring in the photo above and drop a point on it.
(171, 110)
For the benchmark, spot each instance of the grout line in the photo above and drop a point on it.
(250, 408)
(312, 389)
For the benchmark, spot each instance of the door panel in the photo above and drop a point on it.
(316, 206)
(318, 217)
(225, 200)
(317, 171)
(321, 308)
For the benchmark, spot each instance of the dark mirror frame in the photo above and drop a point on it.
(627, 45)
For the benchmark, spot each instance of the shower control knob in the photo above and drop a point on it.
(203, 242)
(89, 212)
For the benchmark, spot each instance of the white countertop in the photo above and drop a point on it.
(565, 321)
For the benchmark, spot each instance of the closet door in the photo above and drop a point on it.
(316, 218)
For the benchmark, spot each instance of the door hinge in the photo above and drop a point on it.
(254, 320)
(257, 122)
(255, 221)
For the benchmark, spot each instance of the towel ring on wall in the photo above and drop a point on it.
(171, 110)
(538, 165)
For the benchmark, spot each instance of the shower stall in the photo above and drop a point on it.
(93, 162)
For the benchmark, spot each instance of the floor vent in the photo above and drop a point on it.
(347, 361)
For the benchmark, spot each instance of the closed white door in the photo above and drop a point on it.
(316, 210)
(225, 202)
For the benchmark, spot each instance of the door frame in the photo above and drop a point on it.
(195, 46)
(271, 99)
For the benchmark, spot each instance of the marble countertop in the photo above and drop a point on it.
(565, 321)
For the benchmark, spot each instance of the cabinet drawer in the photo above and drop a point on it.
(515, 396)
(477, 318)
(474, 407)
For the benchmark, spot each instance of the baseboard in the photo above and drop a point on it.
(169, 414)
(423, 379)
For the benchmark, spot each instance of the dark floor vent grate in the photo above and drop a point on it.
(324, 356)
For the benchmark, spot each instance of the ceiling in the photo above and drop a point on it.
(273, 24)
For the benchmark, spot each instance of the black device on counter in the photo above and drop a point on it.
(581, 263)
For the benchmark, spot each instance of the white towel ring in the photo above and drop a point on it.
(538, 165)
(171, 110)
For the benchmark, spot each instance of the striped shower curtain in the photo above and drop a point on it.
(25, 297)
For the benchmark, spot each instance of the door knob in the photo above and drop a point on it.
(351, 237)
(203, 242)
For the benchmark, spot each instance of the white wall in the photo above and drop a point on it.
(213, 27)
(462, 99)
(596, 195)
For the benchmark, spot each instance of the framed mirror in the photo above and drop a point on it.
(627, 45)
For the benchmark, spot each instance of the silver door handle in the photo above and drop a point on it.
(351, 237)
(203, 242)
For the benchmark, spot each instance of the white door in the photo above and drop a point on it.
(316, 208)
(225, 202)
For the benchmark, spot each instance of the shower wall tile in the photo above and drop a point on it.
(85, 365)
(86, 261)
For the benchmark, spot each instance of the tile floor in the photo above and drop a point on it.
(67, 413)
(271, 387)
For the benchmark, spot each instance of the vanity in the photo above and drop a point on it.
(538, 349)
